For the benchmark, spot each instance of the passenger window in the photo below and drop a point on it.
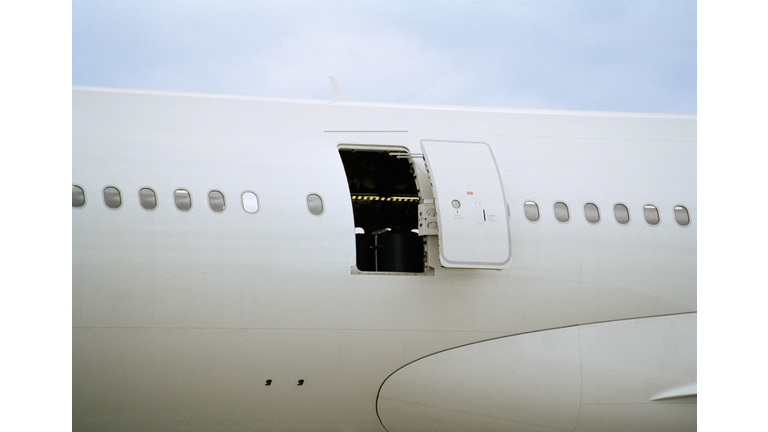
(216, 201)
(681, 216)
(651, 214)
(78, 196)
(622, 213)
(531, 211)
(315, 204)
(591, 213)
(561, 212)
(182, 199)
(147, 199)
(251, 202)
(112, 197)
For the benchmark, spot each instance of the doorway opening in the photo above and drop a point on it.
(385, 203)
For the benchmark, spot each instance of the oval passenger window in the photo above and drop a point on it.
(315, 204)
(112, 198)
(78, 196)
(591, 213)
(622, 213)
(531, 211)
(681, 216)
(182, 199)
(651, 214)
(147, 199)
(216, 201)
(561, 212)
(250, 202)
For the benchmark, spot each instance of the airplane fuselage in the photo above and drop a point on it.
(243, 298)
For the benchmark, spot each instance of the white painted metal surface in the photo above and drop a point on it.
(471, 211)
(592, 377)
(181, 317)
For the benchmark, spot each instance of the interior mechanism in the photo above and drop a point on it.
(385, 202)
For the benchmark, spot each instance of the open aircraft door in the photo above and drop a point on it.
(473, 228)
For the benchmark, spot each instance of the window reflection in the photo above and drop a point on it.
(591, 213)
(250, 202)
(681, 216)
(147, 199)
(182, 199)
(622, 213)
(531, 211)
(561, 212)
(315, 204)
(112, 197)
(78, 196)
(216, 201)
(651, 214)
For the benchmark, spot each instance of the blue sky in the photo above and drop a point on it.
(589, 54)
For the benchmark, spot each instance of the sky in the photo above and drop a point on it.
(561, 54)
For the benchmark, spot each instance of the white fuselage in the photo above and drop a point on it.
(181, 317)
